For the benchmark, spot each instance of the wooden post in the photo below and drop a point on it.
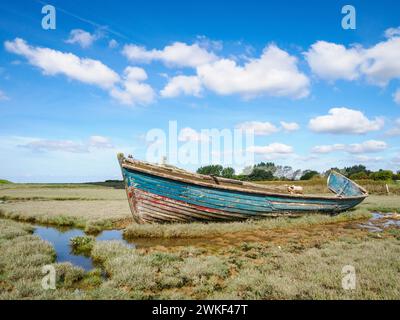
(387, 189)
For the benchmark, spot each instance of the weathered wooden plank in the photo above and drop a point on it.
(159, 194)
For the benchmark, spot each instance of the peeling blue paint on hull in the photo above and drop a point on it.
(158, 199)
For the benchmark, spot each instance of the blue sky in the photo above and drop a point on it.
(72, 97)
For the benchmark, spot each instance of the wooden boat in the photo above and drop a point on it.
(163, 193)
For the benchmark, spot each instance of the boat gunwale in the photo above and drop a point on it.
(131, 164)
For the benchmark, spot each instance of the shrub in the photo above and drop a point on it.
(359, 176)
(308, 175)
(382, 175)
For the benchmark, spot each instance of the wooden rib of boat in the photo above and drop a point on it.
(162, 193)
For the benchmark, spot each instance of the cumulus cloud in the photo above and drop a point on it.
(53, 62)
(178, 54)
(369, 146)
(133, 90)
(274, 73)
(290, 126)
(271, 149)
(42, 145)
(332, 61)
(258, 127)
(83, 38)
(345, 121)
(127, 90)
(378, 64)
(187, 85)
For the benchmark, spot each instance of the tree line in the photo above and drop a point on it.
(269, 171)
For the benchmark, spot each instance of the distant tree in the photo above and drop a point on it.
(359, 176)
(266, 166)
(383, 175)
(309, 174)
(259, 175)
(348, 171)
(215, 170)
(228, 172)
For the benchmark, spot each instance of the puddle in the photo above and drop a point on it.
(380, 221)
(60, 237)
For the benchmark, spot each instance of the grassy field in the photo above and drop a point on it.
(277, 258)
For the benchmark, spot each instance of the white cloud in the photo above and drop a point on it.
(328, 148)
(56, 145)
(367, 158)
(392, 32)
(345, 121)
(274, 73)
(382, 62)
(134, 91)
(178, 54)
(396, 96)
(42, 145)
(273, 148)
(332, 61)
(189, 134)
(53, 62)
(209, 44)
(369, 146)
(81, 37)
(127, 90)
(259, 128)
(100, 142)
(187, 85)
(378, 64)
(290, 126)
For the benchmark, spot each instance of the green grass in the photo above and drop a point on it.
(2, 181)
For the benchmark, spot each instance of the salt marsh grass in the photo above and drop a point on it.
(276, 258)
(45, 192)
(93, 216)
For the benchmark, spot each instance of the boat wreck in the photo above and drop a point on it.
(163, 193)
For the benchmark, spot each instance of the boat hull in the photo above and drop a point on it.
(158, 199)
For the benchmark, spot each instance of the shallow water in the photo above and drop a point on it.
(60, 237)
(380, 221)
